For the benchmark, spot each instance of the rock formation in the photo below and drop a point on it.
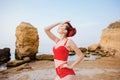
(110, 38)
(4, 55)
(27, 41)
(45, 57)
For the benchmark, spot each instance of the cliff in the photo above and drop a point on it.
(110, 38)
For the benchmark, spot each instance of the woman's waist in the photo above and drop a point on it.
(59, 63)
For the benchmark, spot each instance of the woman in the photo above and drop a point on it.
(61, 50)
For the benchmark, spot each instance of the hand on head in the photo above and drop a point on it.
(65, 22)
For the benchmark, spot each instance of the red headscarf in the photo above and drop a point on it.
(71, 32)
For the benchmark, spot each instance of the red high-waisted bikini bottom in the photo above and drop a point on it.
(62, 72)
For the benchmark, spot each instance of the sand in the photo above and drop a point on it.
(106, 68)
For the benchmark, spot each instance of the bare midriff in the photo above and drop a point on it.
(59, 62)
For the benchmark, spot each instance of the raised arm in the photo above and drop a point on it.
(49, 33)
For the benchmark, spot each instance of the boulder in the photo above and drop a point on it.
(93, 47)
(27, 41)
(15, 63)
(26, 59)
(83, 49)
(4, 55)
(45, 57)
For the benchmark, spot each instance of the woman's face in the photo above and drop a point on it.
(62, 29)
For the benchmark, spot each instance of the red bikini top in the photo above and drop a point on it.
(61, 52)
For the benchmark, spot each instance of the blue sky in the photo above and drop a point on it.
(90, 17)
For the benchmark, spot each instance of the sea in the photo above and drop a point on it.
(46, 45)
(44, 48)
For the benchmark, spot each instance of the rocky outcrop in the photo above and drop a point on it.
(93, 47)
(4, 55)
(45, 57)
(15, 63)
(27, 41)
(110, 38)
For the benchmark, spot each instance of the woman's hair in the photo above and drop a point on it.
(70, 30)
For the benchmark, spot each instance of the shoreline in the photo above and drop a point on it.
(106, 68)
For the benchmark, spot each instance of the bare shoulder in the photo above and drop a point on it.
(70, 41)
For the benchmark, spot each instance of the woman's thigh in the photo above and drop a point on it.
(57, 78)
(69, 77)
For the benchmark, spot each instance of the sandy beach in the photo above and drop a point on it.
(106, 68)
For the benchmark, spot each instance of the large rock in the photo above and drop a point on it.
(93, 47)
(83, 49)
(27, 41)
(110, 38)
(4, 55)
(15, 63)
